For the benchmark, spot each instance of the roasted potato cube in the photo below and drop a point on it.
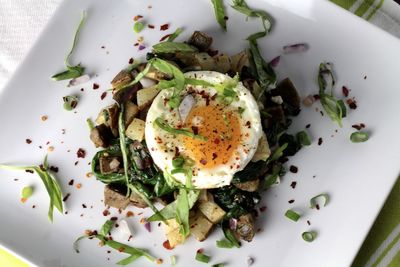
(101, 135)
(145, 96)
(249, 186)
(131, 111)
(205, 61)
(200, 227)
(109, 164)
(122, 78)
(201, 40)
(240, 60)
(262, 152)
(115, 199)
(245, 227)
(137, 201)
(212, 211)
(135, 130)
(222, 63)
(172, 232)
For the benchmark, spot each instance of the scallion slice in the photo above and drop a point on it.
(314, 200)
(200, 256)
(294, 216)
(309, 236)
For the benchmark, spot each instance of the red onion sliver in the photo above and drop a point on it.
(275, 62)
(141, 47)
(79, 80)
(147, 225)
(232, 224)
(295, 48)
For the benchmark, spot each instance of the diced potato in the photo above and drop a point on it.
(212, 211)
(245, 228)
(240, 60)
(200, 227)
(222, 63)
(135, 130)
(115, 199)
(137, 201)
(122, 78)
(205, 61)
(131, 110)
(249, 186)
(263, 151)
(145, 96)
(172, 232)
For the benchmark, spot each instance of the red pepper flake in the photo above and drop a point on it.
(106, 212)
(291, 201)
(95, 86)
(137, 17)
(30, 171)
(121, 249)
(129, 214)
(358, 126)
(293, 184)
(293, 169)
(365, 77)
(131, 60)
(33, 206)
(151, 26)
(316, 97)
(28, 141)
(308, 222)
(164, 37)
(103, 47)
(78, 186)
(263, 208)
(226, 17)
(203, 161)
(317, 206)
(352, 103)
(308, 126)
(200, 250)
(212, 53)
(248, 124)
(214, 156)
(53, 169)
(164, 27)
(103, 95)
(320, 141)
(66, 197)
(114, 218)
(136, 44)
(81, 153)
(82, 89)
(76, 163)
(195, 130)
(159, 261)
(84, 206)
(345, 91)
(216, 141)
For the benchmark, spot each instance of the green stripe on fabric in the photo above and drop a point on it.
(346, 4)
(375, 9)
(387, 220)
(396, 261)
(386, 250)
(367, 4)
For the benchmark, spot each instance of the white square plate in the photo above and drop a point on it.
(358, 177)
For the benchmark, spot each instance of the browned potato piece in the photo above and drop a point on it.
(109, 164)
(122, 78)
(115, 199)
(137, 201)
(101, 135)
(131, 111)
(240, 60)
(172, 232)
(135, 130)
(145, 96)
(201, 40)
(212, 211)
(245, 227)
(200, 227)
(249, 186)
(222, 63)
(262, 152)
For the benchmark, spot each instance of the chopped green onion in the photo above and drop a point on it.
(200, 256)
(27, 192)
(173, 260)
(224, 243)
(294, 216)
(309, 236)
(174, 35)
(219, 13)
(314, 200)
(90, 123)
(164, 126)
(178, 162)
(138, 26)
(278, 152)
(359, 137)
(218, 265)
(70, 102)
(303, 139)
(231, 237)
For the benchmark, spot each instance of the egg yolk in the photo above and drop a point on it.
(222, 130)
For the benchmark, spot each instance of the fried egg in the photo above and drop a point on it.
(230, 131)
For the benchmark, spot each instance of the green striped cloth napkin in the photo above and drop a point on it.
(382, 246)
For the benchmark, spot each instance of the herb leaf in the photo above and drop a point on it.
(166, 127)
(138, 26)
(134, 253)
(335, 108)
(174, 35)
(49, 181)
(303, 139)
(219, 13)
(72, 71)
(359, 137)
(173, 47)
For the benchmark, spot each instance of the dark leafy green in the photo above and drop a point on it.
(134, 253)
(273, 177)
(293, 145)
(303, 139)
(72, 71)
(49, 181)
(252, 171)
(219, 13)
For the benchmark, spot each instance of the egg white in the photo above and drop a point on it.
(162, 144)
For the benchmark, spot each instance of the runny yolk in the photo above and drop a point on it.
(222, 130)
